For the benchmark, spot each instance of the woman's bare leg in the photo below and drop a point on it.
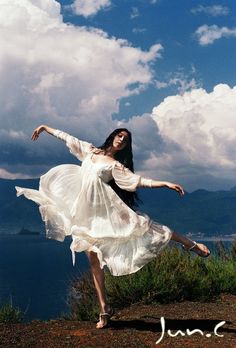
(99, 282)
(188, 243)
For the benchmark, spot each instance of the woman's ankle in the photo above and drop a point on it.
(104, 308)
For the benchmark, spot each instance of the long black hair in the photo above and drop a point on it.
(124, 156)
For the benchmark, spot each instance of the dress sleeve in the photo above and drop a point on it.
(78, 148)
(128, 180)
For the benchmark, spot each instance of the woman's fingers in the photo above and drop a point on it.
(179, 189)
(36, 133)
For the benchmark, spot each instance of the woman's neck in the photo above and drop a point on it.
(110, 152)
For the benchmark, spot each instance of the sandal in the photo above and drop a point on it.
(107, 316)
(195, 248)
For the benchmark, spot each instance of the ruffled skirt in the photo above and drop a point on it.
(79, 204)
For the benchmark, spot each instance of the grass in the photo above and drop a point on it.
(82, 299)
(10, 314)
(172, 277)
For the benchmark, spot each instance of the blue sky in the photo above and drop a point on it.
(164, 69)
(172, 24)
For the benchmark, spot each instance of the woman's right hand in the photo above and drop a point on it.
(175, 187)
(37, 131)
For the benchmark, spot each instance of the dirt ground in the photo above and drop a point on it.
(137, 326)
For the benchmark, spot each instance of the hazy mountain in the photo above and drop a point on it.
(18, 212)
(211, 213)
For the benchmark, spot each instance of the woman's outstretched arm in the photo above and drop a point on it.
(41, 129)
(157, 184)
(130, 181)
(78, 148)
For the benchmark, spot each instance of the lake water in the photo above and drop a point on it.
(36, 272)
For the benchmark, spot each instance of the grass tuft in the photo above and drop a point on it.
(82, 299)
(10, 314)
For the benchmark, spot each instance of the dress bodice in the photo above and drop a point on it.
(124, 178)
(101, 170)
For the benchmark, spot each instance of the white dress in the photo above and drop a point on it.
(77, 201)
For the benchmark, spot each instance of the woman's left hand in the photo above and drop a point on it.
(176, 187)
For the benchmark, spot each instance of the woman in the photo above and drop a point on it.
(93, 203)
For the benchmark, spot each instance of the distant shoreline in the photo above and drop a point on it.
(26, 232)
(215, 238)
(197, 238)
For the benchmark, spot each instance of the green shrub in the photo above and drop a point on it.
(82, 299)
(233, 251)
(173, 276)
(10, 314)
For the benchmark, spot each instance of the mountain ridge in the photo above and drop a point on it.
(209, 213)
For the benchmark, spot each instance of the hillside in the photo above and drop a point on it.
(205, 212)
(134, 327)
(18, 212)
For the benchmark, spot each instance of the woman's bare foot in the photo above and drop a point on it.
(103, 321)
(199, 249)
(104, 318)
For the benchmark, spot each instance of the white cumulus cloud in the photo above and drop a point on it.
(206, 34)
(199, 132)
(139, 30)
(181, 80)
(214, 10)
(4, 174)
(63, 75)
(88, 8)
(135, 13)
(182, 84)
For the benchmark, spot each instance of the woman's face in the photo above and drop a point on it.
(120, 140)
